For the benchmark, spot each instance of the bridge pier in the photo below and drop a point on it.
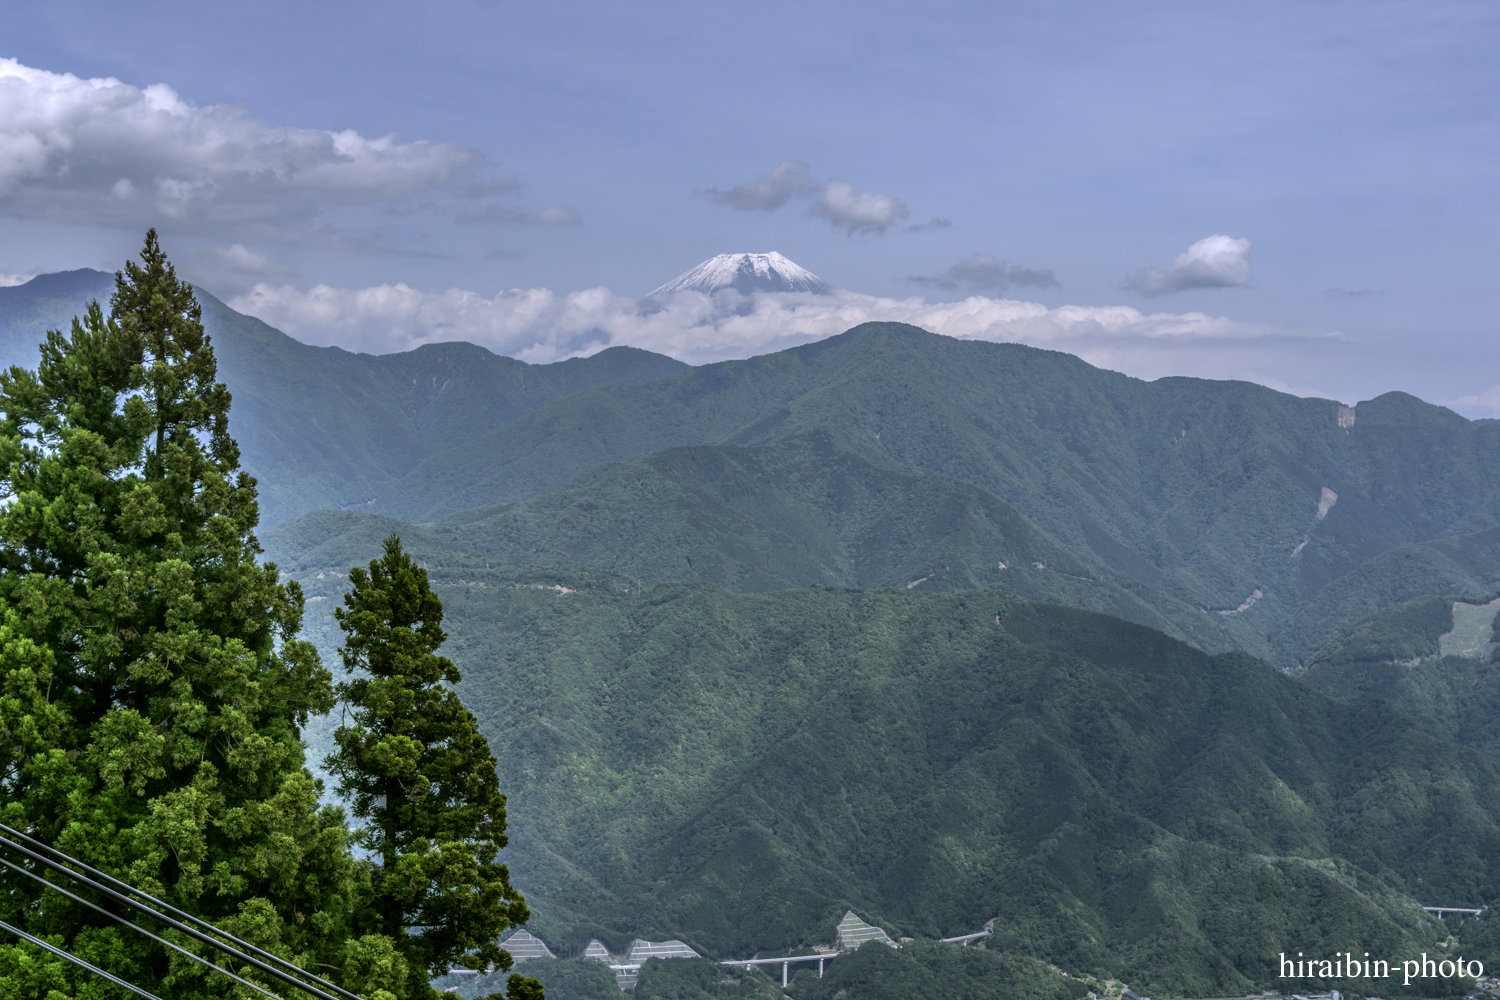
(785, 963)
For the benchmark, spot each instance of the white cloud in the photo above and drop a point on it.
(855, 211)
(936, 222)
(106, 152)
(539, 325)
(9, 280)
(553, 215)
(1212, 262)
(985, 272)
(245, 261)
(1485, 404)
(556, 215)
(838, 201)
(790, 179)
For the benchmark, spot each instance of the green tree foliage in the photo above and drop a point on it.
(1396, 657)
(1199, 489)
(323, 428)
(153, 690)
(705, 979)
(929, 970)
(414, 767)
(563, 979)
(737, 770)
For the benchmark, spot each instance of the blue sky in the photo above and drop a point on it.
(1354, 146)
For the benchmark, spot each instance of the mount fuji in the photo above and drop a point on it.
(746, 273)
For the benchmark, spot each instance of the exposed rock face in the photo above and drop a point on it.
(1326, 502)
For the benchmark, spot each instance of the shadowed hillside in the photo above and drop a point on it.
(1433, 659)
(1226, 496)
(737, 770)
(794, 514)
(320, 426)
(1223, 512)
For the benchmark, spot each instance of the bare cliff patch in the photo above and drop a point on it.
(1473, 635)
(1326, 502)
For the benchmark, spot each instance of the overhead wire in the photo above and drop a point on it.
(169, 921)
(54, 949)
(127, 887)
(136, 927)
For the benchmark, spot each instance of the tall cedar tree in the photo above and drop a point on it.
(151, 688)
(415, 767)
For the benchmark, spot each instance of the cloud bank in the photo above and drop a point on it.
(841, 203)
(985, 273)
(496, 215)
(768, 192)
(244, 261)
(1212, 262)
(936, 222)
(540, 326)
(854, 211)
(1485, 404)
(105, 152)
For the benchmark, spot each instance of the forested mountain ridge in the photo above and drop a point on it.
(1433, 659)
(677, 530)
(1279, 520)
(737, 769)
(809, 509)
(738, 765)
(324, 427)
(46, 302)
(1226, 496)
(1466, 564)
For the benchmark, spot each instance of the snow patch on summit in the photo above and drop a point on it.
(746, 273)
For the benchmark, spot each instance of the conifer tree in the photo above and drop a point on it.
(414, 766)
(151, 685)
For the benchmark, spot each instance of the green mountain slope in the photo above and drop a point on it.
(806, 510)
(799, 512)
(334, 540)
(1433, 658)
(1213, 492)
(1207, 495)
(320, 426)
(738, 769)
(1464, 564)
(46, 302)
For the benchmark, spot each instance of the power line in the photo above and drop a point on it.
(110, 879)
(178, 925)
(78, 961)
(134, 926)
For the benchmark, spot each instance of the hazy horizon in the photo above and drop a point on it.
(1297, 196)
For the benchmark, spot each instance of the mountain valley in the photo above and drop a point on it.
(1158, 679)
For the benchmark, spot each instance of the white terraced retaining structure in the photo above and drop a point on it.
(523, 945)
(854, 932)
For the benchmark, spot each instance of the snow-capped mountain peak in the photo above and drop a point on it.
(746, 273)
